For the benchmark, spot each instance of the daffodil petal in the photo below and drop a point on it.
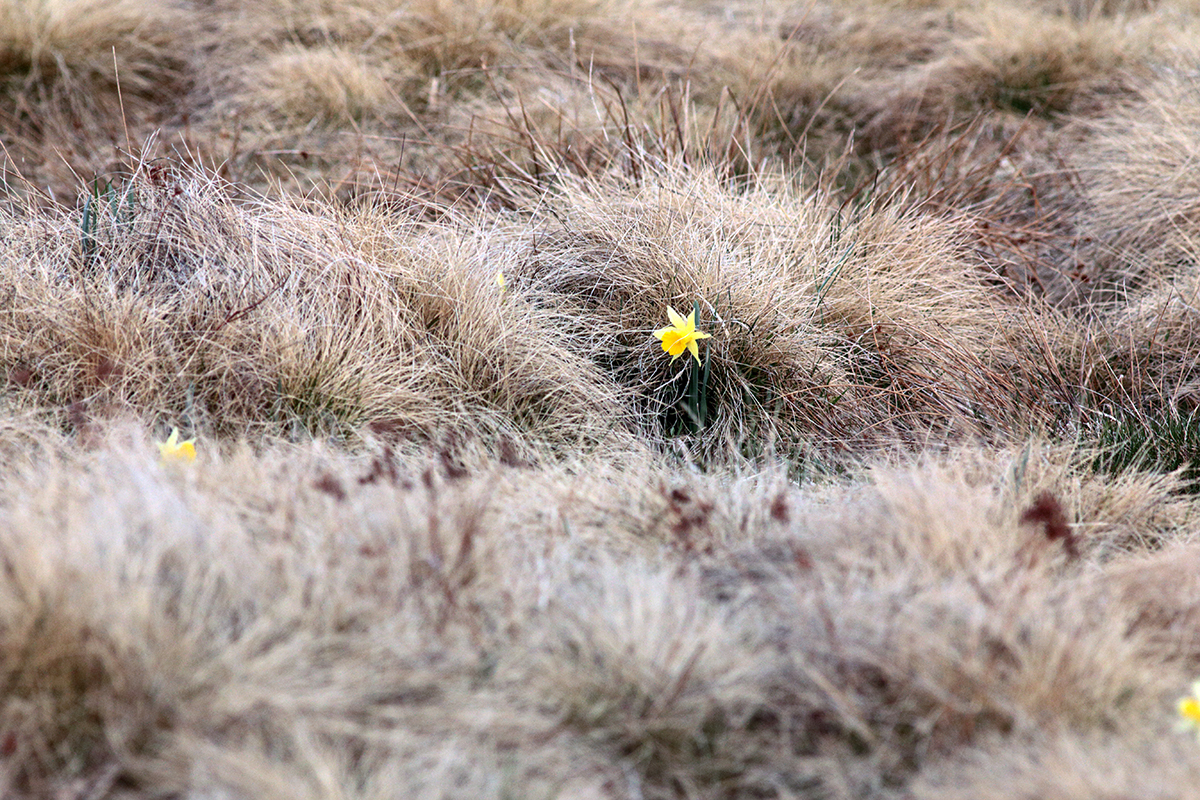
(676, 320)
(174, 450)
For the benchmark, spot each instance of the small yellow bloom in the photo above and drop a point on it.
(1189, 711)
(174, 450)
(681, 335)
(500, 280)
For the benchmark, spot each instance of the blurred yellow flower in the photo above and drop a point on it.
(174, 450)
(1189, 711)
(680, 335)
(500, 280)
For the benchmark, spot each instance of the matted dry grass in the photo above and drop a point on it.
(459, 528)
(296, 620)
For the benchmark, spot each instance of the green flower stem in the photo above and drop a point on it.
(697, 407)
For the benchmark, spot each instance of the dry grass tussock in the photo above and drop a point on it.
(297, 621)
(47, 42)
(1141, 215)
(1148, 346)
(829, 327)
(920, 520)
(229, 317)
(78, 76)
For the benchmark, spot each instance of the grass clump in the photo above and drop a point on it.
(1136, 172)
(1032, 64)
(233, 317)
(60, 47)
(825, 328)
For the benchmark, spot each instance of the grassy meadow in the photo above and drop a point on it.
(919, 519)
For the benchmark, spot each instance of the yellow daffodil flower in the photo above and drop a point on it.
(500, 280)
(174, 450)
(681, 335)
(1189, 711)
